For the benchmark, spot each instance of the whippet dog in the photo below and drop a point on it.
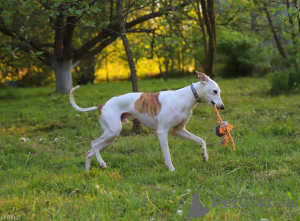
(159, 111)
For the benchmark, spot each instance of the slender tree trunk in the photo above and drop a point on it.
(62, 70)
(182, 61)
(159, 66)
(298, 18)
(253, 22)
(293, 35)
(165, 75)
(134, 80)
(178, 58)
(127, 47)
(90, 70)
(172, 64)
(208, 10)
(202, 27)
(278, 43)
(107, 77)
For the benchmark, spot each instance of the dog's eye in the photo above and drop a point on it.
(215, 91)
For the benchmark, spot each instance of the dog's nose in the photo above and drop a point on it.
(222, 107)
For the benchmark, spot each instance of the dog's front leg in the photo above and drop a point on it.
(163, 140)
(183, 133)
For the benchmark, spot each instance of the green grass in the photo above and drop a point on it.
(46, 180)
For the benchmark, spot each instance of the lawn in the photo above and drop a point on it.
(44, 178)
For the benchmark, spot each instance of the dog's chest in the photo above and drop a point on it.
(177, 118)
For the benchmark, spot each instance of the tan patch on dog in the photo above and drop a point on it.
(100, 109)
(148, 104)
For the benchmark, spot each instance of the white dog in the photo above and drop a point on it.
(160, 111)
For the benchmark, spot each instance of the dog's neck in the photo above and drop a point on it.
(199, 89)
(186, 95)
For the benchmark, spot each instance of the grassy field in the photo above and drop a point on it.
(46, 180)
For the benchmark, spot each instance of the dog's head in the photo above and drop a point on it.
(210, 91)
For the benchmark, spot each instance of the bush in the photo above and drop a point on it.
(11, 91)
(285, 81)
(36, 78)
(242, 58)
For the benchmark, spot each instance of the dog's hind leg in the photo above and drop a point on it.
(90, 154)
(107, 137)
(183, 133)
(111, 127)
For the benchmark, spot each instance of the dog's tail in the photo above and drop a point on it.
(76, 106)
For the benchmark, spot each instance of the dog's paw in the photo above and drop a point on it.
(103, 165)
(205, 157)
(172, 169)
(87, 166)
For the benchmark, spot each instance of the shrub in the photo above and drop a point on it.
(11, 91)
(242, 58)
(285, 81)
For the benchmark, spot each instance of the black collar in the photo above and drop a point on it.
(195, 93)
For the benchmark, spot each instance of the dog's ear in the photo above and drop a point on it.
(202, 77)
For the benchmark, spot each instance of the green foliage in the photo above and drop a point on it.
(241, 57)
(285, 81)
(23, 69)
(279, 82)
(37, 78)
(243, 35)
(45, 180)
(294, 78)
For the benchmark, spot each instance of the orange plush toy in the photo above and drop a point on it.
(222, 130)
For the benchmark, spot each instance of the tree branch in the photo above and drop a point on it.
(101, 46)
(35, 44)
(140, 30)
(112, 29)
(230, 19)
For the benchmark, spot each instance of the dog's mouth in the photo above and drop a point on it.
(218, 107)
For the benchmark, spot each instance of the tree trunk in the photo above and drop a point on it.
(90, 71)
(178, 58)
(208, 10)
(127, 47)
(298, 18)
(293, 35)
(201, 24)
(165, 75)
(136, 124)
(253, 22)
(62, 70)
(278, 43)
(159, 66)
(182, 62)
(107, 76)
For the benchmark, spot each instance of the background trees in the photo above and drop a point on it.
(166, 37)
(51, 29)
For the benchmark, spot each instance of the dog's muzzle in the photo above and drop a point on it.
(222, 107)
